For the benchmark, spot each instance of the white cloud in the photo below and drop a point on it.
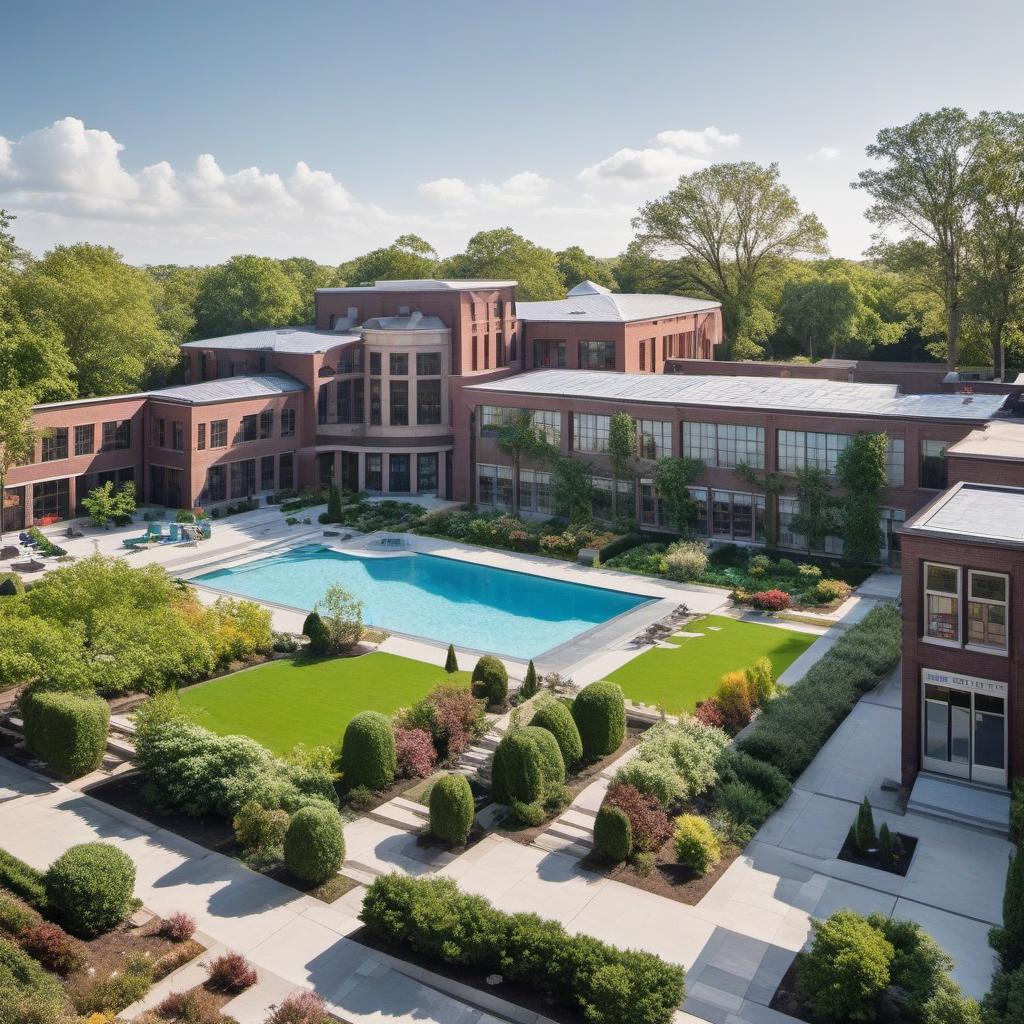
(523, 189)
(450, 191)
(704, 141)
(826, 154)
(319, 190)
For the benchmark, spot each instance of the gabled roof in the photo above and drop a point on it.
(299, 340)
(229, 389)
(592, 303)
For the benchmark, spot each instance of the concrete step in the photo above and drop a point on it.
(573, 833)
(362, 873)
(412, 806)
(580, 817)
(960, 802)
(400, 817)
(552, 844)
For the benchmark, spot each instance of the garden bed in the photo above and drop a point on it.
(899, 864)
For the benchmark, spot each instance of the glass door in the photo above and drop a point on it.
(964, 734)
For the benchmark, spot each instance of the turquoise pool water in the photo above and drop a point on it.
(469, 605)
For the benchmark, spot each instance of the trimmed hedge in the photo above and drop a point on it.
(314, 845)
(552, 766)
(599, 711)
(368, 754)
(554, 716)
(66, 730)
(617, 546)
(22, 879)
(433, 919)
(613, 833)
(451, 808)
(490, 679)
(516, 772)
(28, 993)
(90, 887)
(736, 766)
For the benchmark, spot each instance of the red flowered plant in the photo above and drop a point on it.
(649, 822)
(415, 751)
(771, 600)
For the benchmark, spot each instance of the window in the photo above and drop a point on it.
(267, 473)
(426, 473)
(933, 464)
(737, 516)
(326, 403)
(201, 437)
(177, 435)
(942, 603)
(161, 432)
(117, 435)
(398, 364)
(724, 444)
(894, 462)
(654, 438)
(643, 355)
(535, 491)
(219, 434)
(549, 353)
(50, 500)
(266, 424)
(601, 498)
(799, 450)
(243, 478)
(494, 485)
(165, 486)
(216, 488)
(493, 418)
(700, 500)
(398, 473)
(55, 445)
(597, 355)
(428, 401)
(788, 537)
(398, 392)
(246, 430)
(590, 432)
(375, 402)
(287, 422)
(986, 609)
(374, 473)
(286, 471)
(85, 439)
(374, 364)
(549, 424)
(652, 507)
(428, 364)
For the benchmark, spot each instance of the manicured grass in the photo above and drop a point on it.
(311, 700)
(676, 679)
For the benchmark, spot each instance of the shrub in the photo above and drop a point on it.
(774, 600)
(527, 815)
(283, 643)
(490, 680)
(827, 591)
(786, 567)
(451, 808)
(359, 798)
(649, 824)
(231, 972)
(759, 565)
(28, 994)
(452, 716)
(742, 803)
(66, 730)
(687, 748)
(451, 661)
(920, 967)
(950, 1006)
(599, 711)
(179, 927)
(1004, 1001)
(1008, 941)
(736, 766)
(414, 753)
(658, 779)
(553, 715)
(22, 879)
(342, 616)
(53, 948)
(258, 829)
(197, 1006)
(710, 714)
(760, 682)
(314, 845)
(552, 766)
(696, 844)
(11, 584)
(368, 755)
(302, 1007)
(316, 631)
(1017, 812)
(529, 687)
(613, 834)
(733, 700)
(808, 572)
(111, 994)
(90, 888)
(685, 560)
(516, 773)
(15, 916)
(864, 828)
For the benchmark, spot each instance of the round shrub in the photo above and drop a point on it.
(843, 974)
(774, 600)
(314, 845)
(11, 584)
(89, 887)
(415, 753)
(685, 560)
(303, 1007)
(697, 846)
(516, 773)
(613, 835)
(66, 730)
(737, 766)
(257, 828)
(658, 779)
(315, 630)
(490, 679)
(599, 711)
(827, 591)
(527, 815)
(552, 766)
(554, 716)
(368, 754)
(451, 808)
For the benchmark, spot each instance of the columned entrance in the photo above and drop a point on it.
(963, 726)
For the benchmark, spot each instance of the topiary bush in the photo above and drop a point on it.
(697, 846)
(554, 716)
(516, 772)
(315, 630)
(90, 888)
(736, 766)
(314, 845)
(490, 680)
(529, 687)
(451, 808)
(599, 711)
(368, 754)
(551, 764)
(451, 661)
(66, 730)
(613, 834)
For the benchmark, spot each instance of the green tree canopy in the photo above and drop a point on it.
(575, 266)
(407, 258)
(244, 294)
(503, 255)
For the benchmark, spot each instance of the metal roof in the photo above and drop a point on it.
(1000, 439)
(410, 322)
(982, 512)
(299, 340)
(590, 303)
(787, 393)
(422, 285)
(229, 389)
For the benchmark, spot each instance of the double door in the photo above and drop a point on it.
(964, 733)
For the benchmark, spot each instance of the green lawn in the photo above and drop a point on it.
(309, 701)
(675, 679)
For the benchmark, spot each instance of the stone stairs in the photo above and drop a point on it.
(402, 813)
(571, 833)
(476, 758)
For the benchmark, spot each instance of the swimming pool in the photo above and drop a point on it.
(469, 605)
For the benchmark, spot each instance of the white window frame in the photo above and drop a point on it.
(1005, 603)
(926, 592)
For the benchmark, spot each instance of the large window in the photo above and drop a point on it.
(117, 435)
(426, 473)
(398, 474)
(50, 500)
(789, 508)
(398, 364)
(428, 364)
(800, 449)
(247, 429)
(375, 403)
(286, 471)
(736, 515)
(652, 506)
(654, 438)
(597, 355)
(287, 422)
(374, 364)
(494, 485)
(590, 432)
(218, 433)
(535, 494)
(374, 472)
(428, 401)
(201, 437)
(267, 473)
(894, 462)
(986, 609)
(55, 445)
(601, 498)
(724, 444)
(547, 422)
(942, 603)
(933, 464)
(266, 424)
(177, 435)
(85, 439)
(243, 478)
(398, 392)
(549, 354)
(216, 488)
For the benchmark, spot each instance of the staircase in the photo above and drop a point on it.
(571, 833)
(962, 803)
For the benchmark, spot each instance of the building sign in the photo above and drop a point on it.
(961, 682)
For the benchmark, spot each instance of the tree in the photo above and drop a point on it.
(307, 275)
(577, 266)
(621, 452)
(243, 294)
(99, 503)
(815, 518)
(105, 313)
(503, 255)
(408, 257)
(820, 309)
(861, 471)
(177, 291)
(572, 488)
(929, 192)
(772, 485)
(672, 478)
(124, 505)
(451, 661)
(731, 222)
(518, 437)
(17, 434)
(342, 616)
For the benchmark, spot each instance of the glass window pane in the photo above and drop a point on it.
(942, 578)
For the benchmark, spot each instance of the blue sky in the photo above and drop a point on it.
(189, 131)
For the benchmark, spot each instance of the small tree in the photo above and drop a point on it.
(529, 687)
(861, 470)
(621, 452)
(816, 517)
(490, 679)
(334, 504)
(572, 489)
(314, 629)
(123, 505)
(99, 503)
(451, 808)
(864, 827)
(342, 616)
(1008, 941)
(519, 437)
(672, 478)
(451, 662)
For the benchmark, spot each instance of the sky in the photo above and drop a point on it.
(192, 130)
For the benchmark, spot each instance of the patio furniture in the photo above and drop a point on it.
(26, 540)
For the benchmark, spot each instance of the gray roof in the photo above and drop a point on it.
(981, 512)
(786, 393)
(228, 389)
(300, 340)
(1000, 439)
(425, 284)
(410, 322)
(592, 303)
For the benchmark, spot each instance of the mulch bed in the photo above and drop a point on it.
(899, 865)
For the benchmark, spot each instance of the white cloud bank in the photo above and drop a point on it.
(527, 188)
